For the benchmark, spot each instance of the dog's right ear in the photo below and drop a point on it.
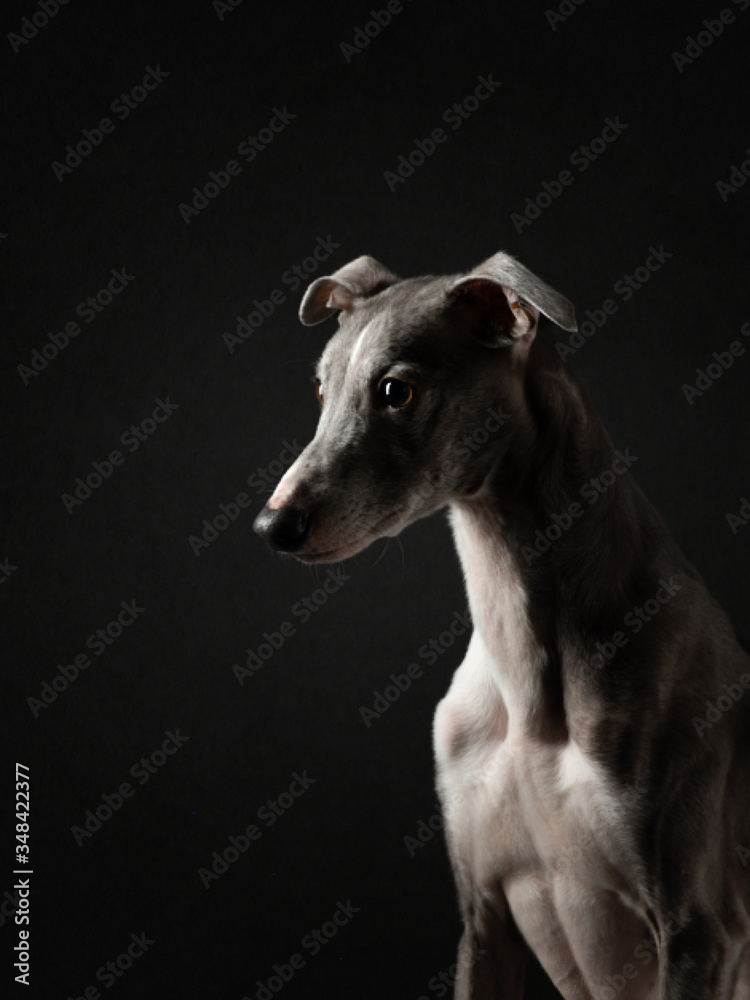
(358, 279)
(503, 285)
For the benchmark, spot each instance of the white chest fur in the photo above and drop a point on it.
(515, 802)
(530, 820)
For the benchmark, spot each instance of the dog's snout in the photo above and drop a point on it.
(284, 528)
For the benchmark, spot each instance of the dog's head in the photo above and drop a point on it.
(418, 388)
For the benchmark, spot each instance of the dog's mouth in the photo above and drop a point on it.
(352, 548)
(313, 557)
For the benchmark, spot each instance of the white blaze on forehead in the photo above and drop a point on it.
(359, 342)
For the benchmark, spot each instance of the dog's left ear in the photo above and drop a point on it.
(358, 279)
(514, 297)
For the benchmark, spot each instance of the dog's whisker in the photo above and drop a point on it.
(385, 549)
(403, 564)
(297, 361)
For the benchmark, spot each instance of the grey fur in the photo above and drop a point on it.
(506, 437)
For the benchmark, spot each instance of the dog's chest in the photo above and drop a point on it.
(537, 823)
(520, 806)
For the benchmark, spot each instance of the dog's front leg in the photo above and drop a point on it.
(700, 962)
(491, 963)
(492, 955)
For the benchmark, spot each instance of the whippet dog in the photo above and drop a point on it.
(593, 750)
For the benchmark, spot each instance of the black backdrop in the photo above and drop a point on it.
(198, 80)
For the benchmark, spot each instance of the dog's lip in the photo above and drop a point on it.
(314, 556)
(353, 547)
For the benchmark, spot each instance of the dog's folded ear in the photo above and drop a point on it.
(358, 279)
(508, 289)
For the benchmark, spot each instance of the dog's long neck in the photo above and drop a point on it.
(512, 652)
(556, 546)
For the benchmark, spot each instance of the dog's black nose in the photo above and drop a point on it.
(284, 528)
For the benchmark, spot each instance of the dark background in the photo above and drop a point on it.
(323, 176)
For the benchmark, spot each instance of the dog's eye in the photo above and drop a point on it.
(319, 391)
(395, 393)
